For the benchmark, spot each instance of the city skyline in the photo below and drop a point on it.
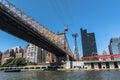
(95, 16)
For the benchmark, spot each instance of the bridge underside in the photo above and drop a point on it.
(14, 26)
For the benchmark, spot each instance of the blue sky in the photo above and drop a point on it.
(99, 16)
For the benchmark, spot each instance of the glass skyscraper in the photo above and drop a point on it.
(114, 46)
(88, 43)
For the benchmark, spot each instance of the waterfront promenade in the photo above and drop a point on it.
(75, 65)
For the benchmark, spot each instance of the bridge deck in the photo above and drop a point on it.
(15, 25)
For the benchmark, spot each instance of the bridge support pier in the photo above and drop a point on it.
(88, 66)
(112, 66)
(96, 66)
(118, 64)
(103, 65)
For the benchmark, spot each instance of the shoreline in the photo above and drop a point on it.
(72, 70)
(26, 68)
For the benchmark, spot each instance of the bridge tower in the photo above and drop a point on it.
(65, 30)
(76, 53)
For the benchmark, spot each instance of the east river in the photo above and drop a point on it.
(61, 75)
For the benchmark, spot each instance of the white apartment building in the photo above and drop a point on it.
(32, 53)
(35, 54)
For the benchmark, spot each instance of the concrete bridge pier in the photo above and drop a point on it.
(103, 65)
(111, 64)
(118, 64)
(87, 66)
(96, 66)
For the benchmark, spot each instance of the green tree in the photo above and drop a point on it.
(20, 62)
(16, 62)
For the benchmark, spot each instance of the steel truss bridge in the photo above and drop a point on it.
(14, 21)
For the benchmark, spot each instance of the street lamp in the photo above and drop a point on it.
(65, 30)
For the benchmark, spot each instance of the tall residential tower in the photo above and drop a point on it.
(88, 43)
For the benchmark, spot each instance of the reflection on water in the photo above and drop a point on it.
(61, 75)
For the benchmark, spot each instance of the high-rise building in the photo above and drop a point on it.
(35, 54)
(6, 57)
(88, 43)
(9, 55)
(25, 52)
(16, 52)
(114, 45)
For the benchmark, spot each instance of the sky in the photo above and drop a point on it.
(99, 16)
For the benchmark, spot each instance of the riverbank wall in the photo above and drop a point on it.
(75, 65)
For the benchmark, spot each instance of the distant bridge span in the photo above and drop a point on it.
(17, 23)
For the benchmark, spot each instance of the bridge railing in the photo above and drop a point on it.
(19, 14)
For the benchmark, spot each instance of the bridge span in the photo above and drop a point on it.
(19, 24)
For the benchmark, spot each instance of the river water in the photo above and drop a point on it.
(61, 75)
